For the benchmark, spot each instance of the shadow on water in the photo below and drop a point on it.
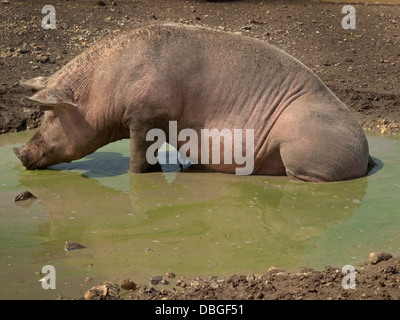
(98, 164)
(375, 168)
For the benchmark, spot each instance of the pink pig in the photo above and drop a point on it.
(126, 85)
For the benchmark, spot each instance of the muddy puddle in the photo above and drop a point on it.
(193, 224)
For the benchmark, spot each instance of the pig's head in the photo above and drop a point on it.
(64, 130)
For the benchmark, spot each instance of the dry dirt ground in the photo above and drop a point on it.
(374, 279)
(361, 66)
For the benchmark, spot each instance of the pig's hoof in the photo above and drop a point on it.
(24, 196)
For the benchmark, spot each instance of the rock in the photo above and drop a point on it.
(378, 256)
(155, 280)
(96, 293)
(43, 58)
(274, 269)
(181, 283)
(24, 196)
(112, 289)
(69, 245)
(23, 49)
(107, 291)
(128, 284)
(170, 275)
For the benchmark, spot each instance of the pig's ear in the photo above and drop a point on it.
(36, 84)
(50, 100)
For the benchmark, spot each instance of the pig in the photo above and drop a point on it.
(143, 78)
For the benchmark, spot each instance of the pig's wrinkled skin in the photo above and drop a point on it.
(141, 79)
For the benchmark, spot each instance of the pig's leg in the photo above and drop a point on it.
(139, 145)
(322, 143)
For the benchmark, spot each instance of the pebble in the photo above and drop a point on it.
(43, 58)
(24, 196)
(107, 291)
(155, 279)
(96, 293)
(181, 283)
(128, 284)
(23, 49)
(69, 245)
(378, 256)
(275, 269)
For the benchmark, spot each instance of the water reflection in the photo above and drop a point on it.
(208, 222)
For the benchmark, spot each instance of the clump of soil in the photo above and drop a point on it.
(376, 279)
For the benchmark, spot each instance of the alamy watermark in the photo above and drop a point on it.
(232, 147)
(49, 280)
(349, 280)
(49, 20)
(349, 21)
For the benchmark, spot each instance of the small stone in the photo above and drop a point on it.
(24, 196)
(42, 58)
(170, 275)
(69, 245)
(88, 279)
(275, 269)
(23, 49)
(180, 283)
(155, 279)
(378, 256)
(128, 284)
(96, 293)
(112, 290)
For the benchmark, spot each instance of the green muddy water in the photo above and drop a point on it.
(193, 224)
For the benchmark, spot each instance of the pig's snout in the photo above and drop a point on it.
(25, 159)
(22, 156)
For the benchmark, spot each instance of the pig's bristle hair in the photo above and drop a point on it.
(77, 75)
